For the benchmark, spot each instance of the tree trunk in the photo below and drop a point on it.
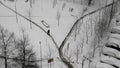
(5, 54)
(5, 61)
(22, 65)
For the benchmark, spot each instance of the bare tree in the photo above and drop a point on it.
(25, 52)
(6, 41)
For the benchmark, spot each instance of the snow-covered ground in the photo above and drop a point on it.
(43, 10)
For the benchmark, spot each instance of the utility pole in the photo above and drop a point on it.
(40, 55)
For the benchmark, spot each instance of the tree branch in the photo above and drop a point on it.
(11, 35)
